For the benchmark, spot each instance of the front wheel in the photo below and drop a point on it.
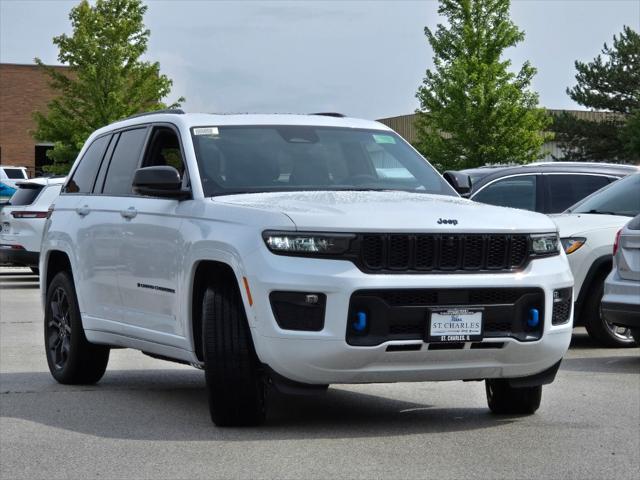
(70, 356)
(502, 398)
(235, 381)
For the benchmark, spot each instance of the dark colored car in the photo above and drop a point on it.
(550, 187)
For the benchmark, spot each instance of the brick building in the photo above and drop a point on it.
(24, 89)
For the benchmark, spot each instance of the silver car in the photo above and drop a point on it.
(621, 301)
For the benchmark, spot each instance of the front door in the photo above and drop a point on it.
(154, 249)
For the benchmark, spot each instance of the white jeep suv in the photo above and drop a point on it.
(295, 251)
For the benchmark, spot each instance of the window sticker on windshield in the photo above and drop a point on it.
(205, 131)
(383, 138)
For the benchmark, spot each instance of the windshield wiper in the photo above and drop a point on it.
(600, 212)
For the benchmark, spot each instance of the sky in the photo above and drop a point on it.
(362, 58)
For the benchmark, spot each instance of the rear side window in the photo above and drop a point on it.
(15, 173)
(25, 194)
(85, 175)
(124, 162)
(514, 192)
(565, 190)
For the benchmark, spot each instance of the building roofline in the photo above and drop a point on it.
(30, 65)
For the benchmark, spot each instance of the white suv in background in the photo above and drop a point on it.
(9, 176)
(295, 251)
(22, 220)
(588, 230)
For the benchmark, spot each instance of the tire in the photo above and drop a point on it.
(602, 332)
(35, 270)
(504, 399)
(236, 386)
(71, 358)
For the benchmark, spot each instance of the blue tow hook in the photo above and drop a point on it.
(361, 323)
(534, 318)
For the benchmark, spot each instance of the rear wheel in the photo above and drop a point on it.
(502, 398)
(235, 380)
(70, 356)
(603, 332)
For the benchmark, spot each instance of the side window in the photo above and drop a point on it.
(164, 149)
(565, 190)
(124, 162)
(85, 175)
(515, 192)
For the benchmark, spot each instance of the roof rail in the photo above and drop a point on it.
(329, 114)
(177, 111)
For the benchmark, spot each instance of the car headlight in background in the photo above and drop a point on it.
(545, 244)
(291, 243)
(571, 244)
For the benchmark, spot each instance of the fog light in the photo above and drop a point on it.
(299, 310)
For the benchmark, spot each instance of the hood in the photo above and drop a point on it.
(570, 224)
(390, 211)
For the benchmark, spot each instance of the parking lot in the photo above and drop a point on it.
(149, 418)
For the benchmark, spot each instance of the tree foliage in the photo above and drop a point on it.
(611, 82)
(473, 109)
(106, 79)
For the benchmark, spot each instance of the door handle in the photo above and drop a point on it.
(83, 211)
(129, 213)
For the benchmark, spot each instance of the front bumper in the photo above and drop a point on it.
(325, 357)
(9, 255)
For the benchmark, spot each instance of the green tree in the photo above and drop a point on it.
(106, 79)
(611, 82)
(473, 109)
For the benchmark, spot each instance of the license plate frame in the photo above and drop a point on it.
(468, 331)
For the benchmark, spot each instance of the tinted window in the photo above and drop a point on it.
(565, 190)
(619, 198)
(515, 192)
(239, 159)
(25, 194)
(164, 149)
(85, 174)
(124, 162)
(15, 173)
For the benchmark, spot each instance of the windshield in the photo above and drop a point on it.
(248, 159)
(619, 198)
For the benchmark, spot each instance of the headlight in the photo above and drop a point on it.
(571, 244)
(545, 244)
(307, 244)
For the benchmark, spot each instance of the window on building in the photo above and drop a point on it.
(41, 158)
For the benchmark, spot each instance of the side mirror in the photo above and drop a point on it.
(159, 181)
(461, 182)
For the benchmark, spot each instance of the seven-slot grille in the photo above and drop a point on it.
(443, 252)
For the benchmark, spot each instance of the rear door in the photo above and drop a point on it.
(97, 242)
(561, 190)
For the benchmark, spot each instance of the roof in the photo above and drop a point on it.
(484, 175)
(188, 120)
(43, 181)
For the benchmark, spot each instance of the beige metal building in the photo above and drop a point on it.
(405, 126)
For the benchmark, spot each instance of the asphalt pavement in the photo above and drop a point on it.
(149, 419)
